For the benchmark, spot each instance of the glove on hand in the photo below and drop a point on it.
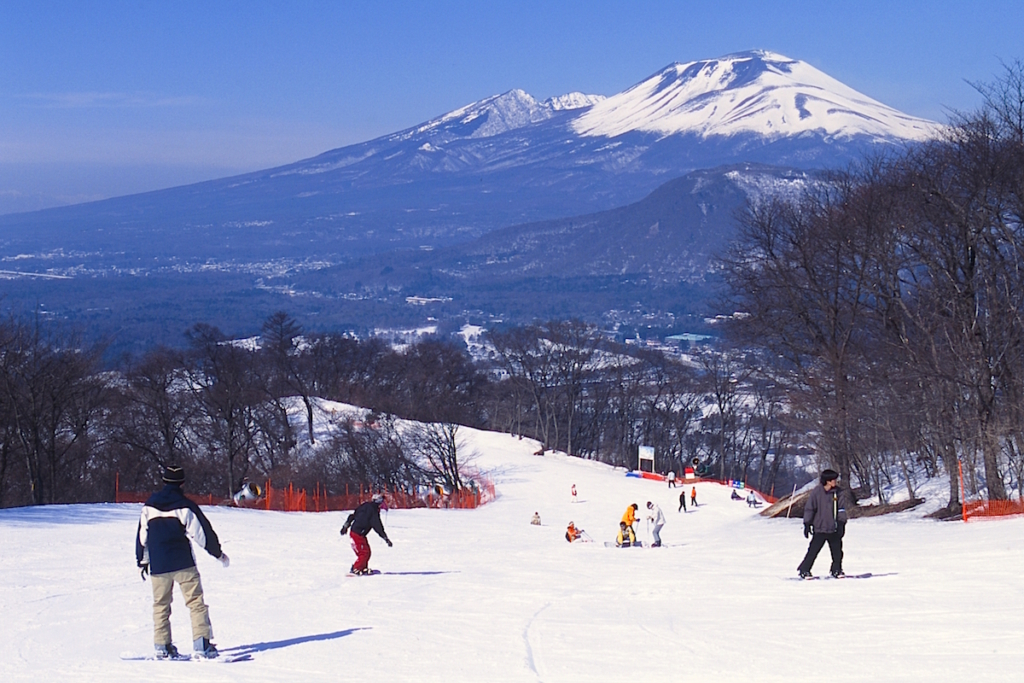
(808, 530)
(344, 529)
(225, 560)
(388, 541)
(143, 570)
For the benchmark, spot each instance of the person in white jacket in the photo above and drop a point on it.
(654, 514)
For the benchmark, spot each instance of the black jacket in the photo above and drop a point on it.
(366, 517)
(825, 510)
(168, 520)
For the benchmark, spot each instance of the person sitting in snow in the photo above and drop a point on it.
(735, 496)
(626, 537)
(572, 533)
(536, 519)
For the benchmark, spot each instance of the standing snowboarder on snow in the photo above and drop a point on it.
(574, 493)
(682, 501)
(825, 522)
(163, 551)
(693, 496)
(358, 525)
(654, 514)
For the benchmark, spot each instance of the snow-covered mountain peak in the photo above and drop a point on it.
(758, 92)
(573, 100)
(511, 110)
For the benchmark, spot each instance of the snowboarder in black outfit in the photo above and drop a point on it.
(682, 501)
(162, 550)
(358, 525)
(825, 522)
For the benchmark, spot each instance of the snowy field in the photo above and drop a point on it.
(481, 595)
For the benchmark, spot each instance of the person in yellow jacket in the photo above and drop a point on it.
(626, 537)
(630, 515)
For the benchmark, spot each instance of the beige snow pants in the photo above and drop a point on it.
(192, 591)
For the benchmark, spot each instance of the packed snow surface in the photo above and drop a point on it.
(751, 92)
(481, 595)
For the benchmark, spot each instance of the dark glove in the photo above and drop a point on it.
(143, 570)
(841, 526)
(344, 530)
(808, 530)
(388, 541)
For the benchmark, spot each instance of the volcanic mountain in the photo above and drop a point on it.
(504, 160)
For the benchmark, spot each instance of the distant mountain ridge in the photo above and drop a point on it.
(505, 161)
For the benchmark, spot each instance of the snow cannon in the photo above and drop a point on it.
(247, 496)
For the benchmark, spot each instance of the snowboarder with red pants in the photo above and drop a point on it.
(358, 525)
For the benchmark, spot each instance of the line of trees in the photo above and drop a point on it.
(220, 407)
(229, 410)
(888, 301)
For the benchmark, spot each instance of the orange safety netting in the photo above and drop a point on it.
(290, 499)
(992, 508)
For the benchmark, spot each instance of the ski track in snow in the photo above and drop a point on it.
(482, 595)
(531, 660)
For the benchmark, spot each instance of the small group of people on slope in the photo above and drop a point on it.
(627, 534)
(824, 522)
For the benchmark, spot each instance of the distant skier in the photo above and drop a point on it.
(626, 537)
(682, 501)
(358, 525)
(825, 522)
(693, 496)
(671, 479)
(574, 493)
(751, 500)
(655, 515)
(163, 551)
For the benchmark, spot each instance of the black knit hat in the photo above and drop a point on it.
(173, 474)
(828, 475)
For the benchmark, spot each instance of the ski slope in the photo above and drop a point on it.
(481, 595)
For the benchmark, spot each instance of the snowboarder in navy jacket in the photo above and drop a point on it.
(358, 525)
(163, 551)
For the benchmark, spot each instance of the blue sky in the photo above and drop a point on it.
(102, 98)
